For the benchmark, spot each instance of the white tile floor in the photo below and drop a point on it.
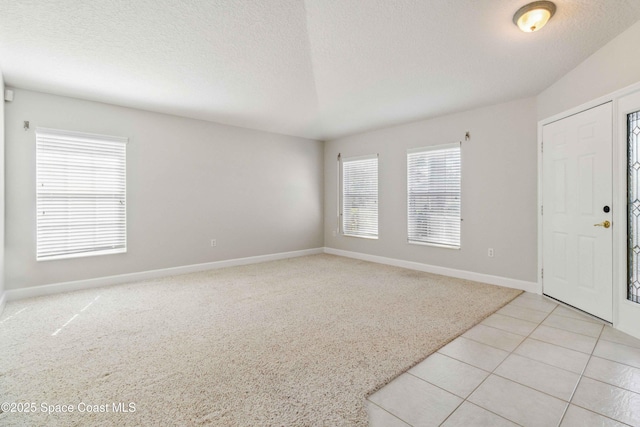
(533, 363)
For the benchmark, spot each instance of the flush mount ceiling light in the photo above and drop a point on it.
(533, 16)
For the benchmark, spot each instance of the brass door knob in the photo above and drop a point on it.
(605, 224)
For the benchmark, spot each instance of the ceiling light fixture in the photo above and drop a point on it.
(533, 16)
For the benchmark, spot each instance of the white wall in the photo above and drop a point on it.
(2, 192)
(612, 67)
(499, 173)
(188, 181)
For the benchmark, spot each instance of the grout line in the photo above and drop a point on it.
(510, 332)
(615, 361)
(520, 355)
(565, 346)
(589, 320)
(500, 329)
(534, 389)
(512, 352)
(575, 388)
(488, 345)
(504, 418)
(492, 373)
(609, 384)
(454, 411)
(600, 415)
(464, 399)
(457, 360)
(393, 415)
(615, 342)
(602, 324)
(484, 409)
(481, 382)
(510, 317)
(573, 332)
(491, 345)
(435, 385)
(516, 317)
(545, 363)
(624, 345)
(504, 315)
(536, 301)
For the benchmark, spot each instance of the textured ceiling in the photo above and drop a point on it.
(314, 68)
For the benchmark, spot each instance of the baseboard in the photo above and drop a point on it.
(55, 288)
(444, 271)
(3, 301)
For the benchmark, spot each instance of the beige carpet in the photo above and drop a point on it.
(292, 342)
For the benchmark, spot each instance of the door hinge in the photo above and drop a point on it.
(542, 146)
(542, 273)
(541, 210)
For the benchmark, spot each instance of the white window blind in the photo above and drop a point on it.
(81, 194)
(360, 196)
(433, 183)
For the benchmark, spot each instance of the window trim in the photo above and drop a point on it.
(79, 137)
(426, 149)
(341, 162)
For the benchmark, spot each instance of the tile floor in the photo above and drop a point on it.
(533, 363)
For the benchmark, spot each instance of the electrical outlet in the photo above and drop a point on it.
(490, 253)
(214, 243)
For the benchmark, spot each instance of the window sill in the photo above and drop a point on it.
(360, 237)
(435, 245)
(83, 254)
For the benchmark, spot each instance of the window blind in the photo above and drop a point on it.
(433, 183)
(360, 196)
(81, 194)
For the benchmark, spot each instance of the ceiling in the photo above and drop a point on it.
(314, 68)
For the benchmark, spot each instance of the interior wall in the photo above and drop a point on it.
(499, 190)
(188, 181)
(2, 194)
(612, 67)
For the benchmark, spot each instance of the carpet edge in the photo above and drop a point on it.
(413, 364)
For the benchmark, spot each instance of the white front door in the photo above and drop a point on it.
(577, 211)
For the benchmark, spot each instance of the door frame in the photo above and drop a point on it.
(628, 314)
(619, 197)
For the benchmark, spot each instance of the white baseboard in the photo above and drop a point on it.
(55, 288)
(3, 301)
(444, 271)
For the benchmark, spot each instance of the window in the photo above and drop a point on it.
(360, 196)
(81, 193)
(433, 184)
(633, 206)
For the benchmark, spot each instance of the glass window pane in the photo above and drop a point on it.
(633, 207)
